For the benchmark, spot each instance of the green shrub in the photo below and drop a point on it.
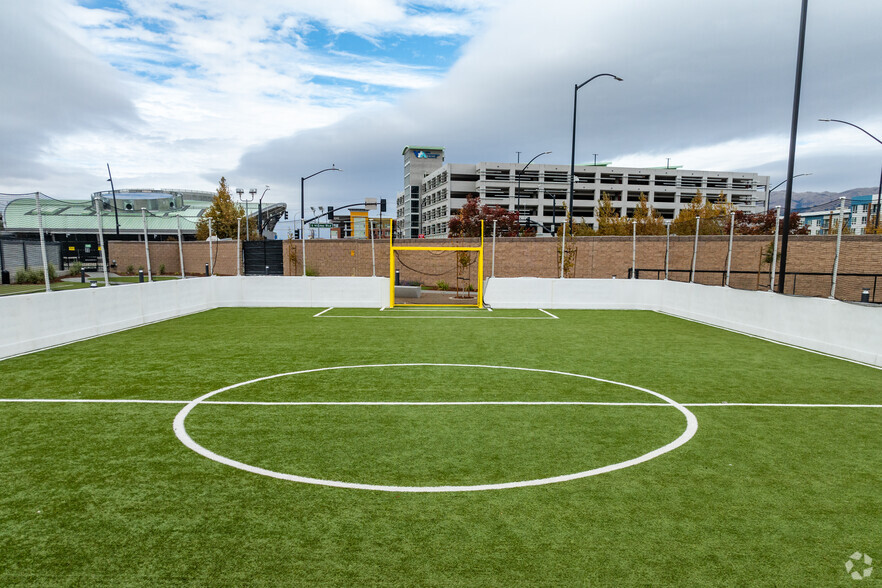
(162, 270)
(311, 271)
(34, 275)
(442, 285)
(130, 269)
(75, 268)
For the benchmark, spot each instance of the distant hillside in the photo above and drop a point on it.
(802, 200)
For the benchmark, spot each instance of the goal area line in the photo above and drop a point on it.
(435, 312)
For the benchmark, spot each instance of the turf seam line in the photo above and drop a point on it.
(760, 337)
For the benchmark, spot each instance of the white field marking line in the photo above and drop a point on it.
(430, 403)
(770, 340)
(323, 312)
(548, 313)
(103, 334)
(685, 436)
(497, 318)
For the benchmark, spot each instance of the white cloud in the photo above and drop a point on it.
(176, 91)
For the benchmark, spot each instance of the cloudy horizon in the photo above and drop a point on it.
(176, 94)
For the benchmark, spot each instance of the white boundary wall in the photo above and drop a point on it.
(29, 322)
(36, 321)
(849, 330)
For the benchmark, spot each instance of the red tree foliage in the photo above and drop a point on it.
(468, 222)
(763, 223)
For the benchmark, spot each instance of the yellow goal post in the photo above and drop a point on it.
(479, 249)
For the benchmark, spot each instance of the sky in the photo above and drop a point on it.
(177, 93)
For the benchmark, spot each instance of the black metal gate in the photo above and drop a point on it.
(263, 258)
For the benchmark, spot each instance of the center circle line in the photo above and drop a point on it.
(181, 432)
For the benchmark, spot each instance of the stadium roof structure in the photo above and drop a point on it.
(164, 209)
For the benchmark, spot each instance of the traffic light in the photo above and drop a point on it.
(296, 233)
(382, 205)
(286, 215)
(330, 213)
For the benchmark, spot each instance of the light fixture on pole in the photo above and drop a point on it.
(769, 197)
(303, 180)
(520, 172)
(242, 198)
(879, 198)
(573, 148)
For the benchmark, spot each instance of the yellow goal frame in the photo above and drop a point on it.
(478, 248)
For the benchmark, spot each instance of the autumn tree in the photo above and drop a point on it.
(608, 220)
(468, 222)
(763, 223)
(714, 217)
(649, 220)
(223, 213)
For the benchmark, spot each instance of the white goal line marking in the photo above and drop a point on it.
(431, 403)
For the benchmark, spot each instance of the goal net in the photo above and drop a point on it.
(437, 276)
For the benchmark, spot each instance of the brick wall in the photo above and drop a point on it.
(595, 257)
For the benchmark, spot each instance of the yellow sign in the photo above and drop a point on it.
(71, 248)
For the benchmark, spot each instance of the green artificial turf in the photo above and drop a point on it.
(106, 494)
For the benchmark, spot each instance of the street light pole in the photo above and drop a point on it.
(879, 198)
(769, 196)
(303, 209)
(520, 173)
(791, 155)
(573, 148)
(302, 180)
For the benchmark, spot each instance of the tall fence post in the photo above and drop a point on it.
(731, 241)
(181, 248)
(838, 244)
(303, 244)
(98, 208)
(146, 244)
(695, 250)
(210, 251)
(493, 256)
(774, 252)
(42, 243)
(563, 248)
(667, 246)
(634, 250)
(238, 246)
(373, 258)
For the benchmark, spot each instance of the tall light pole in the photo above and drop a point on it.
(769, 197)
(573, 148)
(303, 179)
(879, 198)
(791, 155)
(520, 173)
(113, 191)
(259, 211)
(242, 198)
